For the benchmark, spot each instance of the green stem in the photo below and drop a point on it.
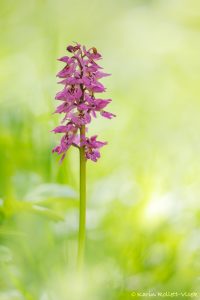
(82, 207)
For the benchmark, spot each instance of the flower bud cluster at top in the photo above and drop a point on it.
(80, 78)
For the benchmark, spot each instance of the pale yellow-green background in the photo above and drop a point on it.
(143, 195)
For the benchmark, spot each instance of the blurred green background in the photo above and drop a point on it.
(143, 195)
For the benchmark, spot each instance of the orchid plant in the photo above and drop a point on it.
(79, 104)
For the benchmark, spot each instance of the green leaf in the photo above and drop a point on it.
(48, 213)
(50, 190)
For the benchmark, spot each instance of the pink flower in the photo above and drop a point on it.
(80, 77)
(107, 114)
(69, 128)
(64, 108)
(66, 71)
(91, 53)
(71, 48)
(73, 92)
(65, 59)
(71, 81)
(92, 154)
(82, 118)
(65, 143)
(94, 105)
(91, 147)
(100, 75)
